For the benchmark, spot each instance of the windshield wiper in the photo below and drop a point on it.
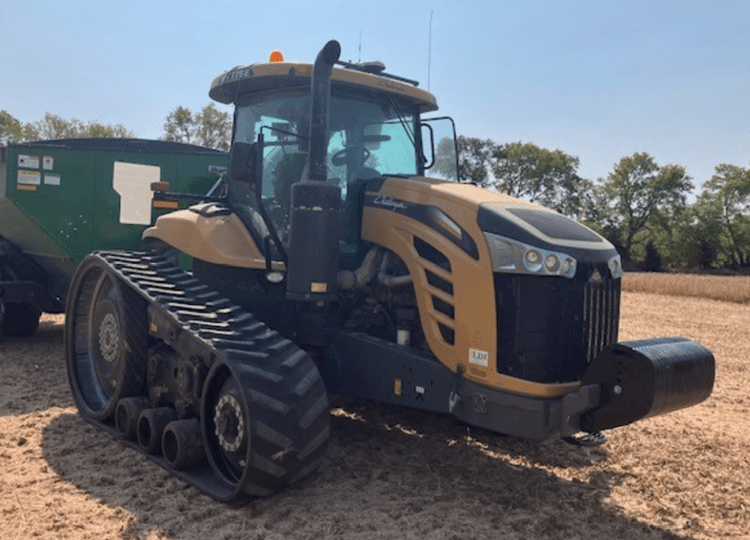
(402, 119)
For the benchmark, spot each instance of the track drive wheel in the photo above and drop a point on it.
(105, 340)
(265, 423)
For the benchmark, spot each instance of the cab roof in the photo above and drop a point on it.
(264, 77)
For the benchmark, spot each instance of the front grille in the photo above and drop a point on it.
(601, 315)
(550, 328)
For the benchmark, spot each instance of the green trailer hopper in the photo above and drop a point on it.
(62, 199)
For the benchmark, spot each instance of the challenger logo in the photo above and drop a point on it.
(390, 202)
(428, 215)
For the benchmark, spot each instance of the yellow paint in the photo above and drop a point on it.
(172, 205)
(473, 299)
(219, 239)
(259, 77)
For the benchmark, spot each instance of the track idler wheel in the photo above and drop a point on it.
(182, 443)
(105, 340)
(265, 424)
(151, 425)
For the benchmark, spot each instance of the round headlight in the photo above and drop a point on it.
(568, 268)
(551, 262)
(532, 260)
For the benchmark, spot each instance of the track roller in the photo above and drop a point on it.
(151, 424)
(127, 413)
(182, 443)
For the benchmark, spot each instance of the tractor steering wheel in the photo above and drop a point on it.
(339, 158)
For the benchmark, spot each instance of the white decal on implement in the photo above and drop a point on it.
(48, 163)
(29, 178)
(52, 179)
(479, 358)
(133, 183)
(27, 161)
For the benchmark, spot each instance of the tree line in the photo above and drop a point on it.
(640, 206)
(207, 127)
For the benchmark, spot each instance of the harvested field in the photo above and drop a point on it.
(393, 473)
(726, 288)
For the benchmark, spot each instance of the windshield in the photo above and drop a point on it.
(367, 139)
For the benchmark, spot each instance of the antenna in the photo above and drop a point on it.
(429, 52)
(360, 47)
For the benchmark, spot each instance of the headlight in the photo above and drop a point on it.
(532, 260)
(513, 257)
(551, 262)
(615, 267)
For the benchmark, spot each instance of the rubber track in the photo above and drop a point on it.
(240, 340)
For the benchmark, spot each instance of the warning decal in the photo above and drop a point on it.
(29, 178)
(479, 358)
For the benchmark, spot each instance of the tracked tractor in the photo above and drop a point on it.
(342, 256)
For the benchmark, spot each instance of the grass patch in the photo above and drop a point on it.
(725, 288)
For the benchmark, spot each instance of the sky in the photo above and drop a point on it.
(599, 80)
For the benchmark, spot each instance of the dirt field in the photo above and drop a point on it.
(400, 474)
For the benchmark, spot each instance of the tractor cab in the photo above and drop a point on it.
(374, 130)
(367, 140)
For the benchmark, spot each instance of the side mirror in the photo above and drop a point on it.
(428, 152)
(241, 161)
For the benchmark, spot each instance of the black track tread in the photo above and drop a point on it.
(290, 419)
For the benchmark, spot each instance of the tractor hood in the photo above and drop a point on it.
(521, 237)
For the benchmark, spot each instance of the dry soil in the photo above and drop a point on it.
(393, 473)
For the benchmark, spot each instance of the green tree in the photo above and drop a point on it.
(96, 130)
(214, 128)
(636, 194)
(526, 171)
(685, 240)
(475, 158)
(11, 129)
(179, 126)
(208, 127)
(724, 203)
(53, 126)
(653, 261)
(539, 175)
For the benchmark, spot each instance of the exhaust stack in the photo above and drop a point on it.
(312, 270)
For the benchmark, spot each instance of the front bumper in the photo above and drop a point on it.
(626, 382)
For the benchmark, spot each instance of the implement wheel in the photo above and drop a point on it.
(18, 319)
(105, 340)
(21, 320)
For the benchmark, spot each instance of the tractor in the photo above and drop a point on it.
(341, 255)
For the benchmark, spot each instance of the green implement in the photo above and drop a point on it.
(62, 199)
